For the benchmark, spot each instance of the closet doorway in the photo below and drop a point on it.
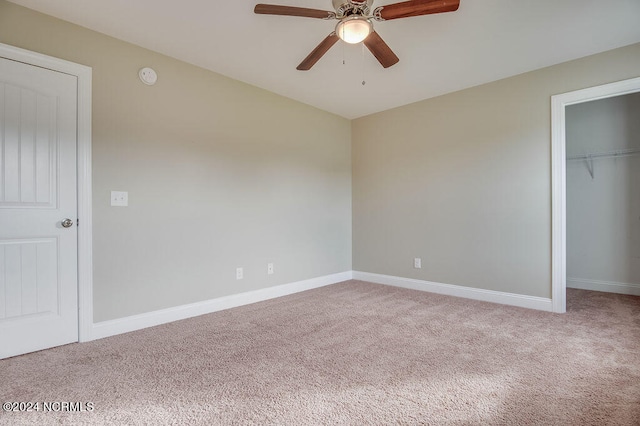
(608, 161)
(603, 194)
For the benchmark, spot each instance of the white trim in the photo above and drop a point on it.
(150, 319)
(85, 230)
(531, 302)
(606, 286)
(558, 178)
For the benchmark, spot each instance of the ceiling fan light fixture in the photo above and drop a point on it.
(354, 29)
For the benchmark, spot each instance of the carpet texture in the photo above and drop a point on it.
(351, 353)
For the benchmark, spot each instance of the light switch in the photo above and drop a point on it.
(119, 198)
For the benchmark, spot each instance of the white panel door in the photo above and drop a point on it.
(38, 255)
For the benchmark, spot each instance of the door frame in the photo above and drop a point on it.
(85, 229)
(559, 178)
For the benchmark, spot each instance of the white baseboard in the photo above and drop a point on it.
(607, 286)
(150, 319)
(163, 316)
(531, 302)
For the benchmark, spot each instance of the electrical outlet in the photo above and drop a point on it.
(417, 263)
(239, 273)
(270, 268)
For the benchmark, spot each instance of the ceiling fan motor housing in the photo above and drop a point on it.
(352, 7)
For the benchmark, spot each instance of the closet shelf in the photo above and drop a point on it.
(602, 155)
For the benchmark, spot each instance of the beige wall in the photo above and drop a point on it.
(464, 180)
(603, 212)
(220, 174)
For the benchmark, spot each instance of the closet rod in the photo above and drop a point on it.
(610, 154)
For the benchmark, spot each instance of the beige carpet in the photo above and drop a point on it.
(352, 353)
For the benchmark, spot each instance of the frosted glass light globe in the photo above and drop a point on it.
(354, 29)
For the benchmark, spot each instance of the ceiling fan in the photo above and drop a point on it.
(356, 23)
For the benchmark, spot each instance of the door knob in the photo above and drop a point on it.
(67, 223)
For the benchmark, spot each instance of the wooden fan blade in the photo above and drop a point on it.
(273, 9)
(380, 50)
(416, 8)
(318, 52)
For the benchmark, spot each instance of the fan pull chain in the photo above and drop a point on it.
(363, 81)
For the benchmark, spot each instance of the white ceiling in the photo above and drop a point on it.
(485, 40)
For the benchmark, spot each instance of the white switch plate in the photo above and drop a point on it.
(119, 198)
(270, 268)
(417, 263)
(239, 274)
